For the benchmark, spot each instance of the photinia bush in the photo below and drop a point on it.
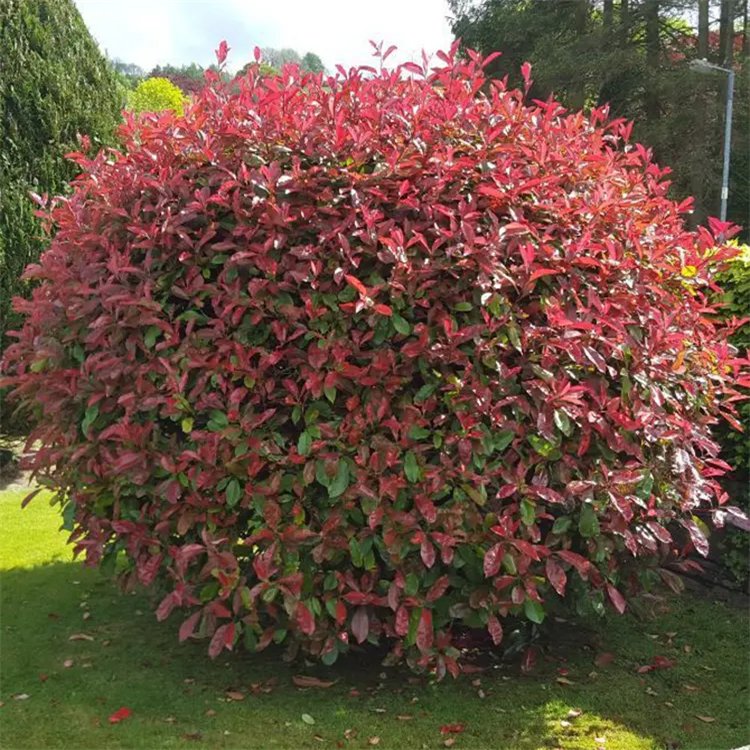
(376, 356)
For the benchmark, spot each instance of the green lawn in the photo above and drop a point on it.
(178, 697)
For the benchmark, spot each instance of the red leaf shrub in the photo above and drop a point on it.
(374, 356)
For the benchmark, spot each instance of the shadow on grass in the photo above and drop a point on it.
(178, 696)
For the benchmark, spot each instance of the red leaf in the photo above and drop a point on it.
(452, 728)
(424, 631)
(697, 537)
(401, 625)
(617, 599)
(495, 629)
(659, 662)
(604, 658)
(579, 562)
(555, 575)
(222, 638)
(120, 715)
(222, 52)
(357, 284)
(188, 627)
(361, 624)
(305, 619)
(383, 310)
(493, 558)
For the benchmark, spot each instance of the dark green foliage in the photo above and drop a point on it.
(633, 54)
(54, 84)
(736, 445)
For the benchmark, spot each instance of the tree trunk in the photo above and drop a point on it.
(624, 21)
(607, 12)
(651, 14)
(703, 29)
(577, 97)
(725, 32)
(745, 41)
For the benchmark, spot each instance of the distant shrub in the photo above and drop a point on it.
(377, 357)
(156, 95)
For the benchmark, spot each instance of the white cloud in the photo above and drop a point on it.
(152, 32)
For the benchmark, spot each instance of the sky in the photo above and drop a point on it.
(154, 32)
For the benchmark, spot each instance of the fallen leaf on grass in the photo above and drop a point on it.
(659, 662)
(68, 663)
(194, 736)
(120, 715)
(235, 695)
(604, 658)
(452, 728)
(308, 719)
(651, 691)
(565, 724)
(170, 720)
(350, 734)
(691, 688)
(707, 719)
(574, 713)
(404, 717)
(43, 677)
(564, 681)
(210, 712)
(81, 637)
(303, 681)
(449, 742)
(373, 741)
(21, 696)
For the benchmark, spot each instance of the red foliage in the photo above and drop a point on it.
(373, 356)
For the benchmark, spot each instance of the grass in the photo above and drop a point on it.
(178, 696)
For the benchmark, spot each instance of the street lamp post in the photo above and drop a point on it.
(703, 66)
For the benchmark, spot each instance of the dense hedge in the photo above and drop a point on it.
(736, 445)
(376, 357)
(54, 84)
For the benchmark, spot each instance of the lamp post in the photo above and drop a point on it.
(703, 66)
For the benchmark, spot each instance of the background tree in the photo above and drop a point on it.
(156, 95)
(188, 78)
(635, 55)
(312, 63)
(54, 84)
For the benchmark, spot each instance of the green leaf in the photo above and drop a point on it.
(534, 611)
(562, 422)
(643, 490)
(411, 467)
(400, 324)
(233, 492)
(588, 523)
(308, 719)
(152, 333)
(187, 424)
(541, 446)
(89, 418)
(528, 511)
(330, 393)
(217, 421)
(463, 306)
(561, 525)
(419, 433)
(424, 393)
(304, 444)
(503, 439)
(340, 481)
(321, 475)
